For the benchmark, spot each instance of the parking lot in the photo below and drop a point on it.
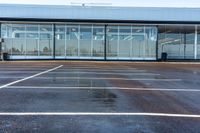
(100, 97)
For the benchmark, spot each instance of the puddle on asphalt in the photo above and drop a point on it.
(104, 97)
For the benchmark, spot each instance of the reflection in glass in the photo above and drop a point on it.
(6, 33)
(112, 41)
(46, 40)
(151, 38)
(18, 35)
(98, 42)
(177, 41)
(125, 41)
(32, 40)
(131, 42)
(72, 40)
(60, 40)
(85, 40)
(198, 42)
(138, 42)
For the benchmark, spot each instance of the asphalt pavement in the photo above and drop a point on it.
(100, 97)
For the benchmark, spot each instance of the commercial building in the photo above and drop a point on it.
(99, 33)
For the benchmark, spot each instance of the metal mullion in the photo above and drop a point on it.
(38, 40)
(92, 42)
(65, 42)
(0, 43)
(184, 48)
(54, 41)
(11, 39)
(118, 44)
(105, 42)
(145, 39)
(79, 40)
(195, 43)
(25, 41)
(157, 43)
(131, 47)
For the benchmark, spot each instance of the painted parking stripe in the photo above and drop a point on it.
(67, 66)
(72, 70)
(98, 73)
(103, 88)
(127, 79)
(79, 72)
(38, 74)
(73, 67)
(96, 114)
(101, 70)
(107, 68)
(64, 70)
(108, 73)
(95, 78)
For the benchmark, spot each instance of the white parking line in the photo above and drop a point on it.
(96, 114)
(98, 73)
(103, 78)
(70, 70)
(108, 73)
(127, 79)
(103, 88)
(71, 67)
(105, 70)
(12, 83)
(108, 68)
(20, 72)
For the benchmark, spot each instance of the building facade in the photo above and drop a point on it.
(99, 33)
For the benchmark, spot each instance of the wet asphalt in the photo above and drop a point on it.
(101, 87)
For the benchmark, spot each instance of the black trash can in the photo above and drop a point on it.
(5, 56)
(164, 56)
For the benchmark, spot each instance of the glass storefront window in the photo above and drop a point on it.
(72, 41)
(125, 41)
(189, 42)
(18, 43)
(112, 41)
(98, 42)
(32, 28)
(151, 38)
(60, 37)
(46, 40)
(46, 28)
(98, 33)
(85, 33)
(32, 35)
(81, 41)
(176, 41)
(138, 42)
(198, 42)
(72, 32)
(32, 40)
(85, 40)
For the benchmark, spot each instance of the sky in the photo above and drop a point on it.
(130, 3)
